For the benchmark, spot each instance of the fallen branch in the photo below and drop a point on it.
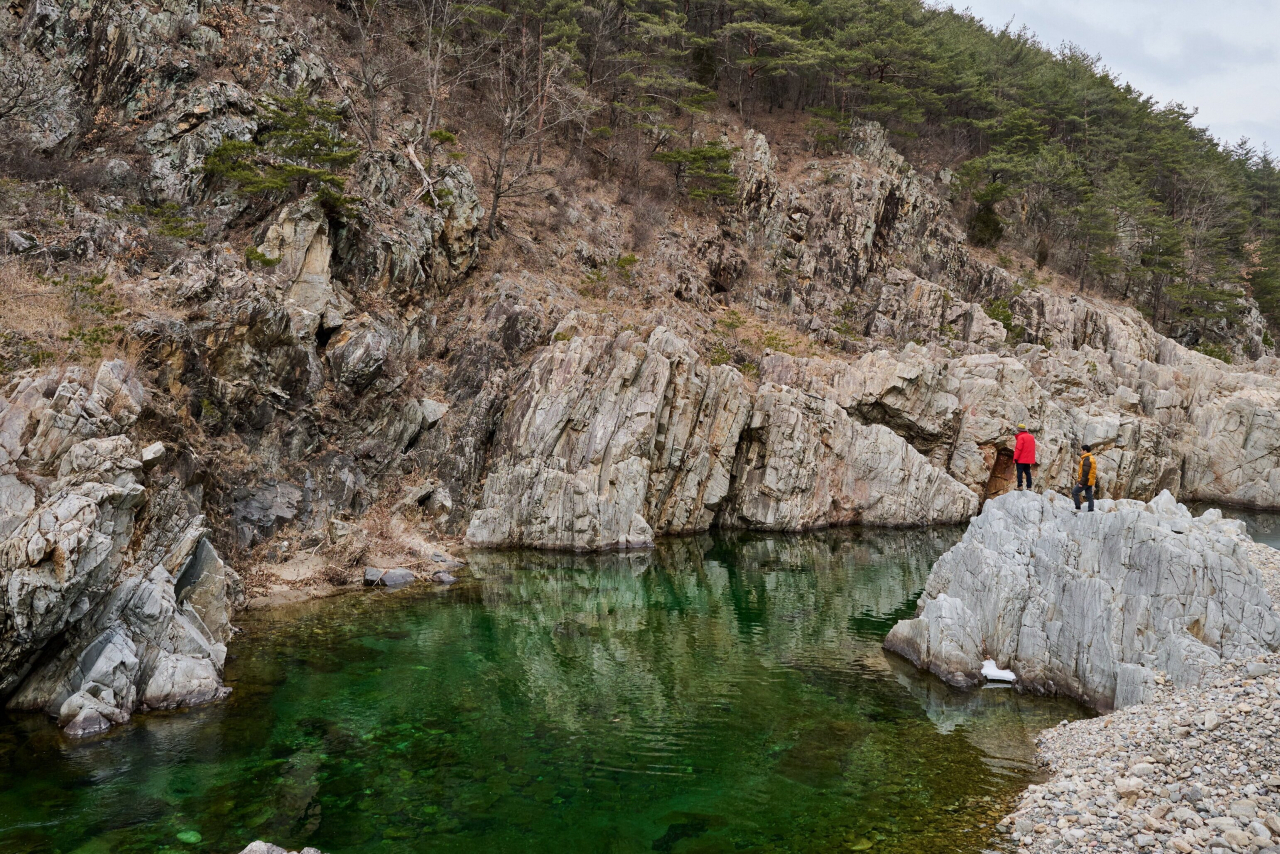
(426, 179)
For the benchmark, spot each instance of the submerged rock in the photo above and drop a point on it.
(1090, 605)
(260, 847)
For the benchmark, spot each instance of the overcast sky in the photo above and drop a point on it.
(1221, 57)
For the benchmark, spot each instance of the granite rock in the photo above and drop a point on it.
(1090, 605)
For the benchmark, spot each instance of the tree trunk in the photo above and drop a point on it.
(499, 171)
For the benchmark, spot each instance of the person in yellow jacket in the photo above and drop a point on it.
(1086, 477)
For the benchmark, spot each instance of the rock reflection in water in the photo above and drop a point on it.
(714, 694)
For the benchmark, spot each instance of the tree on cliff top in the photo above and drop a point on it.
(299, 148)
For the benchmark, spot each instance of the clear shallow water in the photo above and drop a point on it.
(715, 695)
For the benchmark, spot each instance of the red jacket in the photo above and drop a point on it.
(1024, 449)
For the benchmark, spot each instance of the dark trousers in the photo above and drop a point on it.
(1024, 468)
(1088, 493)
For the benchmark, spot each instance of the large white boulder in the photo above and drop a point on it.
(1090, 605)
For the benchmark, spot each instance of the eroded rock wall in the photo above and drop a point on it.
(612, 439)
(103, 614)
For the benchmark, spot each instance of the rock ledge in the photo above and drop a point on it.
(1091, 605)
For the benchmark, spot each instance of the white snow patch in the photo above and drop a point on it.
(995, 674)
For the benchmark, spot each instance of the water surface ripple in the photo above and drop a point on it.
(719, 694)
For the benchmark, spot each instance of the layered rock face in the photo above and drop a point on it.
(1090, 605)
(612, 439)
(100, 619)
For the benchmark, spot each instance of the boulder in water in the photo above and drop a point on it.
(1090, 605)
(260, 847)
(398, 577)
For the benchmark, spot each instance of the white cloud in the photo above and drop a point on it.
(1221, 58)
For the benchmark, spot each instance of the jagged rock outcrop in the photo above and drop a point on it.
(856, 234)
(612, 439)
(833, 227)
(98, 619)
(1090, 605)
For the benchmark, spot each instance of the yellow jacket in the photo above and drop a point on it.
(1087, 472)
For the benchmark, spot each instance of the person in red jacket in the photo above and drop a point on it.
(1024, 454)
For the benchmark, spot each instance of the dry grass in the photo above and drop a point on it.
(29, 305)
(36, 324)
(70, 318)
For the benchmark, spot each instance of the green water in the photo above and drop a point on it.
(715, 695)
(1263, 525)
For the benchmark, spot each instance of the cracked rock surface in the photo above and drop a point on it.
(1091, 605)
(96, 625)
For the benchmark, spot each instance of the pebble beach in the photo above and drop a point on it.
(1190, 770)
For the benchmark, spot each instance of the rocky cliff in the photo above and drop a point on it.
(115, 600)
(823, 349)
(1091, 605)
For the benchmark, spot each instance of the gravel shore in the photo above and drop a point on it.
(1192, 770)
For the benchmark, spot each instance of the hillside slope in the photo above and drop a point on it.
(232, 327)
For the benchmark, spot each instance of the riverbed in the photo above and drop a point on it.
(715, 694)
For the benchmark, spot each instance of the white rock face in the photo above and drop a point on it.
(93, 625)
(612, 440)
(1090, 605)
(806, 464)
(962, 413)
(609, 440)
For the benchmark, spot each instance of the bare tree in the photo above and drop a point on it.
(382, 63)
(448, 60)
(27, 88)
(529, 89)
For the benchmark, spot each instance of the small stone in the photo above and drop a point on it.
(1126, 786)
(1211, 720)
(1144, 840)
(1237, 838)
(152, 454)
(432, 411)
(190, 837)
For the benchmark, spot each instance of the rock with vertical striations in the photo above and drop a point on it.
(1090, 605)
(609, 439)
